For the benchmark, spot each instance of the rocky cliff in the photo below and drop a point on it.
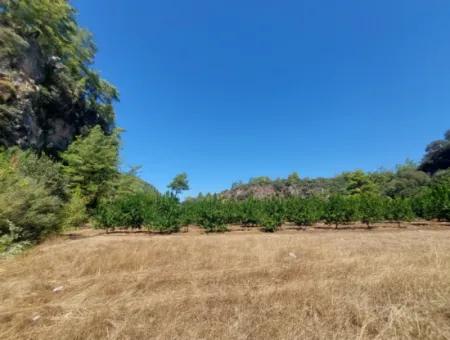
(48, 92)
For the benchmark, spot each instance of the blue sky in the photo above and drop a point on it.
(228, 90)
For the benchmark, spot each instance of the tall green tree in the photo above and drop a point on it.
(90, 164)
(358, 182)
(179, 184)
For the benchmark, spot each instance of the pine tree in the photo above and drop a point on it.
(90, 164)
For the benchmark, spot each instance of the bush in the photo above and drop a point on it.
(422, 204)
(304, 212)
(128, 211)
(75, 213)
(43, 170)
(371, 208)
(28, 211)
(399, 209)
(272, 214)
(249, 212)
(162, 213)
(439, 197)
(10, 247)
(269, 223)
(341, 209)
(132, 209)
(434, 202)
(108, 215)
(232, 211)
(211, 215)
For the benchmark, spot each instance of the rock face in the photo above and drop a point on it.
(48, 91)
(280, 188)
(30, 117)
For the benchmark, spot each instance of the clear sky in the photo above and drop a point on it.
(230, 89)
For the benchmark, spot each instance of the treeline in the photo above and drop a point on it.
(164, 213)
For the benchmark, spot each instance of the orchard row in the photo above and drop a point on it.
(164, 213)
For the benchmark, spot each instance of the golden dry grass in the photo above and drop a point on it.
(298, 285)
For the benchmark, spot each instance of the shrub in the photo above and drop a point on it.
(399, 209)
(304, 211)
(132, 210)
(108, 215)
(271, 217)
(422, 204)
(28, 211)
(232, 211)
(43, 170)
(269, 223)
(211, 215)
(340, 209)
(75, 213)
(439, 197)
(163, 213)
(433, 202)
(371, 208)
(250, 209)
(128, 211)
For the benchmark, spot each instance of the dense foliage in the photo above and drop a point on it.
(29, 205)
(161, 213)
(179, 184)
(40, 196)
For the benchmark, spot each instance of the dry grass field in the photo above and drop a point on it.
(317, 284)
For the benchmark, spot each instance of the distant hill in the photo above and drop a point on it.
(264, 187)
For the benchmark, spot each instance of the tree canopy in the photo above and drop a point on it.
(91, 163)
(437, 156)
(179, 183)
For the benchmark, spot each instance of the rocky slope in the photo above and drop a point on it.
(48, 92)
